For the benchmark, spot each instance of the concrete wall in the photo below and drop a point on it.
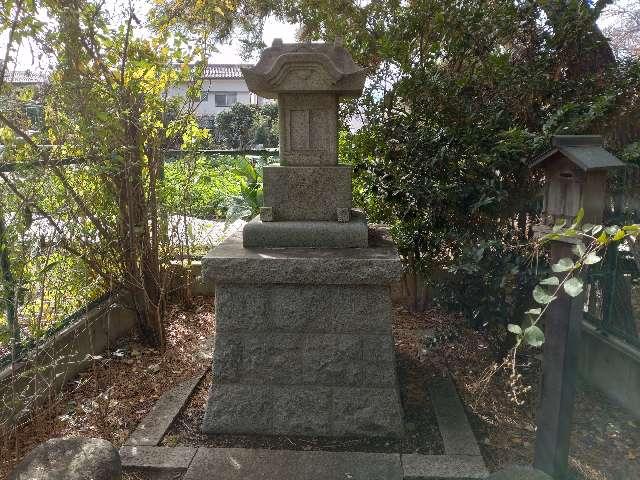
(612, 366)
(48, 368)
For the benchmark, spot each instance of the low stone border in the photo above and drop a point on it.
(153, 427)
(462, 459)
(424, 467)
(156, 458)
(257, 464)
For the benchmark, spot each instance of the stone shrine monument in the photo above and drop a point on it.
(303, 313)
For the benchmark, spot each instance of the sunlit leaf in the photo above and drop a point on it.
(550, 281)
(559, 226)
(562, 265)
(592, 258)
(579, 217)
(579, 249)
(612, 230)
(541, 296)
(534, 336)
(514, 329)
(618, 236)
(573, 287)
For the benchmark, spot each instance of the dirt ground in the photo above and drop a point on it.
(605, 441)
(110, 400)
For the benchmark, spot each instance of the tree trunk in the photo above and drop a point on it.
(416, 292)
(9, 287)
(139, 234)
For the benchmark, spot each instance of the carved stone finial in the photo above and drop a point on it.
(305, 68)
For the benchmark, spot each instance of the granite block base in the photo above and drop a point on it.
(313, 358)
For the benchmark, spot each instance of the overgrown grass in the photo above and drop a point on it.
(200, 185)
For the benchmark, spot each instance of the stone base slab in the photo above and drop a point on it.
(316, 234)
(156, 458)
(231, 262)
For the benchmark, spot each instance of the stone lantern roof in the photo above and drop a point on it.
(305, 68)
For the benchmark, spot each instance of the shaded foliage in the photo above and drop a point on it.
(461, 96)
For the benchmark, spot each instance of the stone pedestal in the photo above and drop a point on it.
(303, 341)
(317, 234)
(303, 313)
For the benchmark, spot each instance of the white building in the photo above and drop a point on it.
(222, 86)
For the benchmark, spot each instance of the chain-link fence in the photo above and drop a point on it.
(613, 294)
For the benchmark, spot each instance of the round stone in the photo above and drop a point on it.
(70, 459)
(519, 473)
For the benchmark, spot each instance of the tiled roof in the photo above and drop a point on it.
(220, 71)
(25, 76)
(586, 151)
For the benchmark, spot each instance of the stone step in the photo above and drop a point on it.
(262, 464)
(248, 464)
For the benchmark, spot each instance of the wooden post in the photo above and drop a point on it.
(563, 326)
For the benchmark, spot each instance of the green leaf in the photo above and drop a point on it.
(579, 249)
(534, 311)
(612, 230)
(563, 265)
(514, 329)
(596, 230)
(573, 287)
(579, 217)
(602, 239)
(559, 226)
(534, 336)
(587, 227)
(592, 258)
(618, 236)
(550, 281)
(541, 296)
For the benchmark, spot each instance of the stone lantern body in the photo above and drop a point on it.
(307, 198)
(303, 313)
(575, 173)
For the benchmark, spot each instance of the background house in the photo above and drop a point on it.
(222, 87)
(28, 79)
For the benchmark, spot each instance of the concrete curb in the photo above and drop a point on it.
(153, 427)
(462, 459)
